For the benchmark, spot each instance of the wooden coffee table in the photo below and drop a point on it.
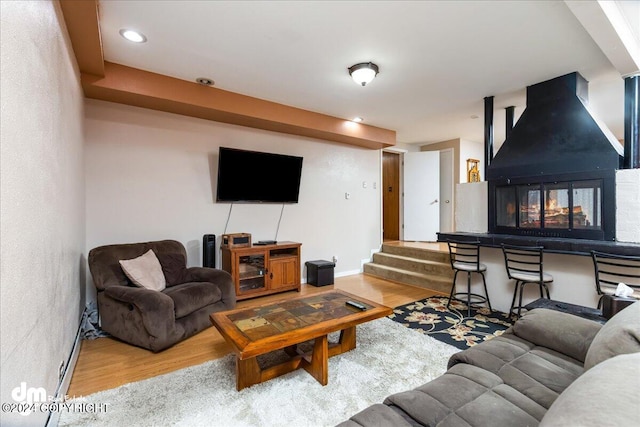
(285, 324)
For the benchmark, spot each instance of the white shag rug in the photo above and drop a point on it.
(389, 358)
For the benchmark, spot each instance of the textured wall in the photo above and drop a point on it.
(471, 207)
(42, 192)
(152, 175)
(628, 205)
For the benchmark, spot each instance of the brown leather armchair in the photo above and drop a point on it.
(153, 319)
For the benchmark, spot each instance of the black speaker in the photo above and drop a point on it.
(209, 250)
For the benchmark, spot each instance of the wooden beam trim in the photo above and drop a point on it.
(140, 88)
(81, 18)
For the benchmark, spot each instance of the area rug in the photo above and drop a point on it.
(389, 358)
(452, 325)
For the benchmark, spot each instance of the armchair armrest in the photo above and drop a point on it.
(562, 332)
(219, 277)
(157, 309)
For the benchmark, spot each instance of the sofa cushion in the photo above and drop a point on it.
(606, 395)
(192, 296)
(620, 335)
(537, 372)
(145, 271)
(562, 332)
(470, 396)
(174, 267)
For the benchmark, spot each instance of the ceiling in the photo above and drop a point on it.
(437, 59)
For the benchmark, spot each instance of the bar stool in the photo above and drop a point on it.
(465, 257)
(524, 265)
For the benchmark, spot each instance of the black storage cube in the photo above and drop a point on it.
(320, 272)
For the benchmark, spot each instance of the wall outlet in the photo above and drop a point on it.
(347, 196)
(335, 259)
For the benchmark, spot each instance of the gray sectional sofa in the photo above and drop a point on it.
(549, 369)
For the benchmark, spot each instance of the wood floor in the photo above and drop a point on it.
(106, 363)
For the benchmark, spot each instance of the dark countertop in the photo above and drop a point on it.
(550, 244)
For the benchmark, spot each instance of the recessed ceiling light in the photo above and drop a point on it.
(357, 119)
(133, 36)
(205, 81)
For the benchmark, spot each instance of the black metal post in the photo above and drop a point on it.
(631, 122)
(510, 115)
(488, 133)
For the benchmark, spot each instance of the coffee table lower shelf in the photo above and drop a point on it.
(316, 362)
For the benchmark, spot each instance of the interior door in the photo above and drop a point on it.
(421, 196)
(390, 196)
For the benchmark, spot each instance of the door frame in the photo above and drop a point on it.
(450, 173)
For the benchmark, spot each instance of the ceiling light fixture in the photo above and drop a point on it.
(133, 36)
(363, 72)
(357, 120)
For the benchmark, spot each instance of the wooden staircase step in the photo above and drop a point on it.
(414, 264)
(428, 281)
(417, 253)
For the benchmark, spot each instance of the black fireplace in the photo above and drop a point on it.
(554, 176)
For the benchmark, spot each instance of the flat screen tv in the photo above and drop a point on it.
(256, 177)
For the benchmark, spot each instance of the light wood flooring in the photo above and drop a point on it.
(107, 363)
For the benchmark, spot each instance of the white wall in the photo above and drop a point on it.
(471, 211)
(152, 175)
(628, 205)
(573, 280)
(42, 191)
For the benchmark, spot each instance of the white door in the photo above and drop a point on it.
(421, 196)
(446, 190)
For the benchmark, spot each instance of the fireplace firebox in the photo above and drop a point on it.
(566, 208)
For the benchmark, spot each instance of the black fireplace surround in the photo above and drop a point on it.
(554, 176)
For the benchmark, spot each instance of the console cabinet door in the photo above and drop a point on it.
(283, 272)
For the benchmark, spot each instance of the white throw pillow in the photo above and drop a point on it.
(145, 271)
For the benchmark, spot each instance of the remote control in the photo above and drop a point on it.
(356, 305)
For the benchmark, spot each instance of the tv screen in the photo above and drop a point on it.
(252, 176)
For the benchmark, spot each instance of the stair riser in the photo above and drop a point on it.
(417, 253)
(439, 269)
(434, 284)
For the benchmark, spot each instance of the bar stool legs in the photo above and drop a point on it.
(465, 257)
(518, 290)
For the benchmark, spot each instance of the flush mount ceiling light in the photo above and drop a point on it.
(357, 119)
(363, 72)
(133, 36)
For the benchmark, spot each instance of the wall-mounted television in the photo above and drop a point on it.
(256, 177)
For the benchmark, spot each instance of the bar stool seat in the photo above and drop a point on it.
(531, 277)
(465, 257)
(471, 268)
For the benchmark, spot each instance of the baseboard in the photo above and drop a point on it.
(63, 386)
(347, 273)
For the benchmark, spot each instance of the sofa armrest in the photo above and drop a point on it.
(157, 309)
(219, 277)
(565, 333)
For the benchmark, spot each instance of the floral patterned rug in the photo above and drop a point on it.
(452, 326)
